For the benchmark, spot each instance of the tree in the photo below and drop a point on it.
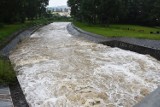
(142, 12)
(18, 10)
(86, 11)
(75, 8)
(156, 12)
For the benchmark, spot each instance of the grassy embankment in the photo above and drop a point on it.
(134, 31)
(7, 30)
(7, 74)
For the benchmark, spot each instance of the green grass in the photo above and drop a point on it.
(9, 29)
(7, 74)
(135, 31)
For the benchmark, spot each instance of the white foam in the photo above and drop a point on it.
(55, 69)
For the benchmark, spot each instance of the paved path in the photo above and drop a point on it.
(5, 97)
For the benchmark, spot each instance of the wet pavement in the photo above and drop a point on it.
(58, 69)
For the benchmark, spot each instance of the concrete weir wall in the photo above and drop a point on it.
(136, 48)
(150, 47)
(15, 38)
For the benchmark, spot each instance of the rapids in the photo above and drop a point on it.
(56, 69)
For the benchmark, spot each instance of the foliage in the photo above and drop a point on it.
(18, 10)
(142, 12)
(117, 30)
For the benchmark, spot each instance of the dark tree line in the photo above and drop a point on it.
(142, 12)
(20, 10)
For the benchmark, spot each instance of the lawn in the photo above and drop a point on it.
(115, 30)
(6, 30)
(9, 29)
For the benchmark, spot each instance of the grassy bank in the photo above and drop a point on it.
(7, 30)
(114, 30)
(7, 74)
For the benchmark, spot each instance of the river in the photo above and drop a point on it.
(56, 69)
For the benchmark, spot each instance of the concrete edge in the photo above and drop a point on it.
(17, 37)
(101, 38)
(12, 36)
(152, 100)
(88, 33)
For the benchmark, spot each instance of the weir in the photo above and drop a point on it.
(56, 68)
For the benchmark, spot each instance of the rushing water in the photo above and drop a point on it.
(56, 69)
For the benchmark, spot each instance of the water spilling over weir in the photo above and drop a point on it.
(56, 69)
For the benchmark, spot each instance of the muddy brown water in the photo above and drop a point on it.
(56, 69)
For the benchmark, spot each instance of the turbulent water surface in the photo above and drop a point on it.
(56, 69)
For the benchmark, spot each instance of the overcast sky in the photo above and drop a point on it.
(57, 3)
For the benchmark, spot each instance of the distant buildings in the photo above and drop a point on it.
(61, 10)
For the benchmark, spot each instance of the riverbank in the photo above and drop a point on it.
(8, 32)
(142, 46)
(122, 30)
(9, 76)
